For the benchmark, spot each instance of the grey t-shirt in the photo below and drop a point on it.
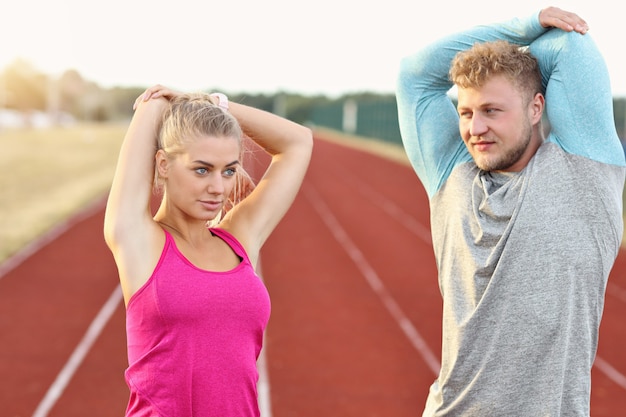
(523, 263)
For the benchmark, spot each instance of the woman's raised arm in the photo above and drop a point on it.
(290, 146)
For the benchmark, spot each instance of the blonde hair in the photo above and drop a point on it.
(474, 67)
(191, 116)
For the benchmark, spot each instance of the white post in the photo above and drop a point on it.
(280, 105)
(350, 116)
(53, 99)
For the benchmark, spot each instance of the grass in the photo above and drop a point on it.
(48, 174)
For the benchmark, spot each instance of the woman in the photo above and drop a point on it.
(196, 310)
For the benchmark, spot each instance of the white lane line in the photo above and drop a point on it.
(263, 385)
(605, 367)
(389, 207)
(77, 357)
(424, 234)
(93, 332)
(613, 374)
(616, 291)
(392, 209)
(372, 278)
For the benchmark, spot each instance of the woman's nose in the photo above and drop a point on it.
(216, 184)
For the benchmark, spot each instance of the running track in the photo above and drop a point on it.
(355, 326)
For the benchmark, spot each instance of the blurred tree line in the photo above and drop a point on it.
(25, 89)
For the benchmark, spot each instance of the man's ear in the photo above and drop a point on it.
(537, 106)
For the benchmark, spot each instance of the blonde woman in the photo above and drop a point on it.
(196, 309)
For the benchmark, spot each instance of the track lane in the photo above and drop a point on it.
(329, 339)
(332, 347)
(363, 222)
(46, 304)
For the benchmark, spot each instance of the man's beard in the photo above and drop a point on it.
(505, 161)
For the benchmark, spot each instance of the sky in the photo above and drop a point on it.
(329, 47)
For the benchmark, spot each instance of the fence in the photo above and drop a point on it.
(368, 118)
(378, 118)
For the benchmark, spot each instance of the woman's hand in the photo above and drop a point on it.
(567, 21)
(156, 92)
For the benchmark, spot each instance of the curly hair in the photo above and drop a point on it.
(191, 116)
(474, 67)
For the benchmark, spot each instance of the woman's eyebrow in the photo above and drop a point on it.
(210, 165)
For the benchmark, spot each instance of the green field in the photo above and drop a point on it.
(48, 174)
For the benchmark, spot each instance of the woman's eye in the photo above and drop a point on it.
(201, 171)
(230, 172)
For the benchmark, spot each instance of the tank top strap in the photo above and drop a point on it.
(169, 239)
(231, 241)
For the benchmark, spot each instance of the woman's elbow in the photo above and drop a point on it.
(302, 139)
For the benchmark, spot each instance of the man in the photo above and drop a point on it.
(525, 228)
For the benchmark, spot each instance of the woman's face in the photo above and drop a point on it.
(199, 180)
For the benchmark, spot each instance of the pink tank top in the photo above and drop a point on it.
(194, 337)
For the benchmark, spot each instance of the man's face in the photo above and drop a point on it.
(497, 125)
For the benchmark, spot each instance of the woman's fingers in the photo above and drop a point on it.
(155, 91)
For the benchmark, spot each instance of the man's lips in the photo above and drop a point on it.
(482, 145)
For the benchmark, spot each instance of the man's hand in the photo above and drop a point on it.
(567, 21)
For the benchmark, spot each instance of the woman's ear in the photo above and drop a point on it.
(161, 163)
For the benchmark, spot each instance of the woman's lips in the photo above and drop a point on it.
(211, 205)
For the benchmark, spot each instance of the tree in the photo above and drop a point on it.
(25, 88)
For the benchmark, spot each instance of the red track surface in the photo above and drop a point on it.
(356, 312)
